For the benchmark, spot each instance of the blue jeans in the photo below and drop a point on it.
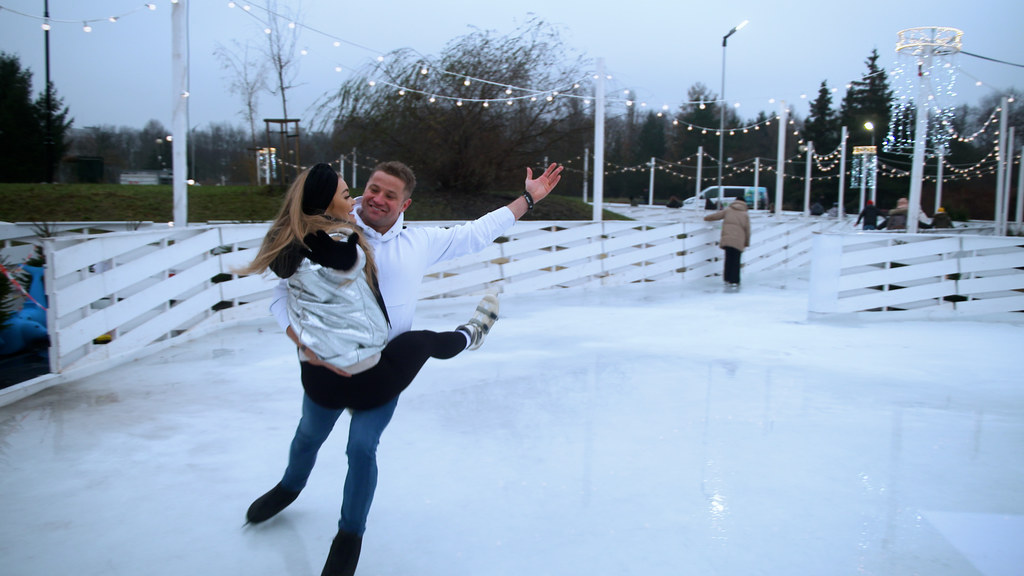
(364, 434)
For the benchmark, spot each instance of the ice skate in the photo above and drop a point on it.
(480, 324)
(267, 506)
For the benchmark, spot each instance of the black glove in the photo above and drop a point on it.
(326, 252)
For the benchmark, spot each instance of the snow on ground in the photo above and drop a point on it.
(651, 429)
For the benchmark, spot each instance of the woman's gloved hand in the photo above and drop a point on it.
(326, 252)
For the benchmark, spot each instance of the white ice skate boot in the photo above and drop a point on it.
(480, 324)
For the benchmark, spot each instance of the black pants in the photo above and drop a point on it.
(732, 265)
(399, 363)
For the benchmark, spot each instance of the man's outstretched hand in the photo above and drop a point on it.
(542, 185)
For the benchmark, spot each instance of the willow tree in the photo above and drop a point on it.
(470, 118)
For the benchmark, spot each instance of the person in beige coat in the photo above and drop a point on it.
(735, 237)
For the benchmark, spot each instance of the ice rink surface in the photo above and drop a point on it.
(657, 429)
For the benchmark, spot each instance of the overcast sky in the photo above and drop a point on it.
(119, 74)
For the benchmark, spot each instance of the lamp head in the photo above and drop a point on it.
(734, 30)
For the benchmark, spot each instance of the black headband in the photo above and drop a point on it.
(319, 188)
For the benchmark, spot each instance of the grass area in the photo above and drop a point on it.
(122, 203)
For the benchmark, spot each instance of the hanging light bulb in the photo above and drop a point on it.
(466, 82)
(113, 19)
(86, 27)
(46, 25)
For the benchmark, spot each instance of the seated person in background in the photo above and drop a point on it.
(941, 219)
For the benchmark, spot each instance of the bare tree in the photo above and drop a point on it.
(471, 118)
(280, 51)
(249, 73)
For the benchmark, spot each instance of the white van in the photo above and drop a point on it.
(756, 198)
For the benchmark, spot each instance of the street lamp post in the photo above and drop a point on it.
(721, 109)
(874, 162)
(48, 142)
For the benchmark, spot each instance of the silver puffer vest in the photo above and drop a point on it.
(336, 314)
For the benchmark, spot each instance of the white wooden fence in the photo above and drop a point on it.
(151, 286)
(925, 275)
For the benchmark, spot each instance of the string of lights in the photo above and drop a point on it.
(47, 23)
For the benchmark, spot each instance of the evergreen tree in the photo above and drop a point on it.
(20, 159)
(698, 121)
(58, 127)
(23, 125)
(868, 100)
(651, 140)
(822, 124)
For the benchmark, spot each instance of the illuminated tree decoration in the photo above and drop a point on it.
(926, 70)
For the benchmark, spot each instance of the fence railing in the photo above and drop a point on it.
(155, 284)
(150, 286)
(926, 275)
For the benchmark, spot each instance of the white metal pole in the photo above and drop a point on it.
(1020, 192)
(780, 159)
(757, 177)
(650, 187)
(599, 141)
(807, 178)
(341, 165)
(179, 112)
(863, 177)
(355, 181)
(938, 181)
(1006, 181)
(874, 177)
(1000, 161)
(586, 170)
(700, 172)
(721, 122)
(920, 143)
(842, 171)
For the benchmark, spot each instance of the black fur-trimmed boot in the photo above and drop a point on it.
(267, 506)
(344, 555)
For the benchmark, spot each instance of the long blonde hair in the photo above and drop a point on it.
(291, 225)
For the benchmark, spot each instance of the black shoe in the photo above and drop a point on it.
(267, 506)
(344, 555)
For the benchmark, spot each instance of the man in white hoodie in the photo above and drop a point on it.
(403, 256)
